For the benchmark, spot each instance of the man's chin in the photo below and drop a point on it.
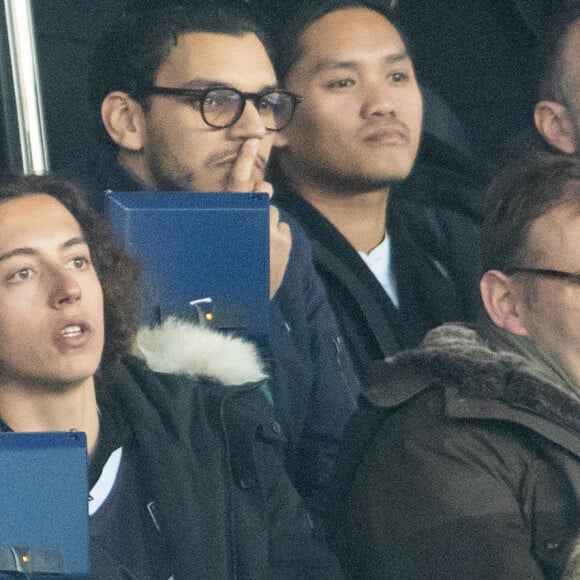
(63, 382)
(216, 185)
(366, 182)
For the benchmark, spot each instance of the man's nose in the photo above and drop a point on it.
(378, 99)
(250, 124)
(66, 289)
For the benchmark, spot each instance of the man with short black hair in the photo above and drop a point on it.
(393, 266)
(188, 94)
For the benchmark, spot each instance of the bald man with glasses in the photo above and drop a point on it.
(189, 96)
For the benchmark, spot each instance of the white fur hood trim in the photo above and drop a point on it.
(180, 347)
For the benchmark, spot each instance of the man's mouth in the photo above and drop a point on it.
(72, 331)
(387, 136)
(73, 336)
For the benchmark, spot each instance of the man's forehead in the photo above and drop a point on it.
(37, 219)
(205, 59)
(350, 61)
(557, 230)
(346, 36)
(572, 50)
(574, 35)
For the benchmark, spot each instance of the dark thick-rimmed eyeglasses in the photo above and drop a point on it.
(222, 107)
(573, 277)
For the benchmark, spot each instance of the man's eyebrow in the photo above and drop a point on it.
(18, 252)
(203, 83)
(328, 64)
(32, 252)
(74, 242)
(206, 83)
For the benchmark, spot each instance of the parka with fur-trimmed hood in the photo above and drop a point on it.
(214, 499)
(462, 462)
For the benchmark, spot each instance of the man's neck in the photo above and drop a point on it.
(360, 216)
(43, 409)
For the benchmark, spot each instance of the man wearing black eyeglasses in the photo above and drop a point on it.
(189, 96)
(464, 458)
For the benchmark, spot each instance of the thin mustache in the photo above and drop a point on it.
(217, 158)
(397, 126)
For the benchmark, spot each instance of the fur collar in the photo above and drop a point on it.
(179, 347)
(479, 363)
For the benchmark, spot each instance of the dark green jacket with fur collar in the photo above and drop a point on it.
(463, 462)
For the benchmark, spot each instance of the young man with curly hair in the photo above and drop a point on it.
(184, 471)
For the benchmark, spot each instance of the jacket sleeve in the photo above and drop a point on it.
(330, 385)
(438, 499)
(296, 553)
(278, 524)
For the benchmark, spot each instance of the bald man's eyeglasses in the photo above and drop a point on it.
(222, 107)
(572, 277)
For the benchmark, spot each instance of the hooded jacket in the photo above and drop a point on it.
(463, 462)
(206, 450)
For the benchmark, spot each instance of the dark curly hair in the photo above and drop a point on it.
(118, 273)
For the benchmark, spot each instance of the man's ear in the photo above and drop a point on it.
(503, 301)
(124, 120)
(554, 125)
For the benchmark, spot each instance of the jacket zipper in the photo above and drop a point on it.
(231, 563)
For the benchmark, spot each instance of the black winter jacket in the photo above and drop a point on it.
(436, 262)
(463, 462)
(208, 456)
(312, 379)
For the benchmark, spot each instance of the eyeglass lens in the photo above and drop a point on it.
(223, 107)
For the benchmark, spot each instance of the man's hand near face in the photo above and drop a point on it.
(241, 179)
